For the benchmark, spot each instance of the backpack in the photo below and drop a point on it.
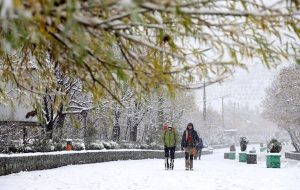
(200, 143)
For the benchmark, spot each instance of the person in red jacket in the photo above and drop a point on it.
(189, 142)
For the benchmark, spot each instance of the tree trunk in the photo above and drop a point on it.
(136, 121)
(116, 132)
(127, 127)
(105, 130)
(49, 129)
(60, 123)
(294, 138)
(144, 132)
(133, 133)
(25, 138)
(116, 128)
(160, 113)
(48, 116)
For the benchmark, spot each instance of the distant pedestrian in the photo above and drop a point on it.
(170, 138)
(189, 141)
(199, 148)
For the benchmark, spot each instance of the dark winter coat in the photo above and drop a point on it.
(200, 144)
(195, 138)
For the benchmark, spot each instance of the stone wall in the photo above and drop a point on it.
(292, 155)
(30, 162)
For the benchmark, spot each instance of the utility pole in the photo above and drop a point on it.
(204, 103)
(234, 114)
(223, 125)
(223, 121)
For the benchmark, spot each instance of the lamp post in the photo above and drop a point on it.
(223, 122)
(84, 114)
(204, 103)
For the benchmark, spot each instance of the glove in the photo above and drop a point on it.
(182, 148)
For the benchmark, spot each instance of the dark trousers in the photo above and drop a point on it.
(170, 152)
(199, 153)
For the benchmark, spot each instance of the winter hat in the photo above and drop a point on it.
(190, 124)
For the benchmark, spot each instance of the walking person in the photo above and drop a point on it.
(189, 141)
(199, 148)
(170, 138)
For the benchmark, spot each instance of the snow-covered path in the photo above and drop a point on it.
(211, 173)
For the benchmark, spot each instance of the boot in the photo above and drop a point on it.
(187, 164)
(172, 164)
(191, 164)
(166, 163)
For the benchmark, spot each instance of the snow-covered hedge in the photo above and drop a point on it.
(77, 144)
(38, 161)
(292, 155)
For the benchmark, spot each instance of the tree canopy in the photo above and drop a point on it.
(281, 104)
(152, 45)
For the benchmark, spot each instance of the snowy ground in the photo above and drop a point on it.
(211, 173)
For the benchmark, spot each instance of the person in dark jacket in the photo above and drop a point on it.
(189, 141)
(199, 147)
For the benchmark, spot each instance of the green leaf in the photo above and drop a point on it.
(244, 4)
(122, 75)
(136, 17)
(172, 44)
(265, 57)
(295, 28)
(233, 55)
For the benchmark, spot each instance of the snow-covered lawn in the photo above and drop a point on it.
(211, 173)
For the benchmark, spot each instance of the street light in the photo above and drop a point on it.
(223, 124)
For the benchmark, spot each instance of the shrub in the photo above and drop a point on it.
(274, 146)
(114, 145)
(78, 146)
(126, 145)
(243, 143)
(42, 145)
(95, 146)
(28, 149)
(107, 145)
(232, 148)
(156, 146)
(144, 146)
(59, 146)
